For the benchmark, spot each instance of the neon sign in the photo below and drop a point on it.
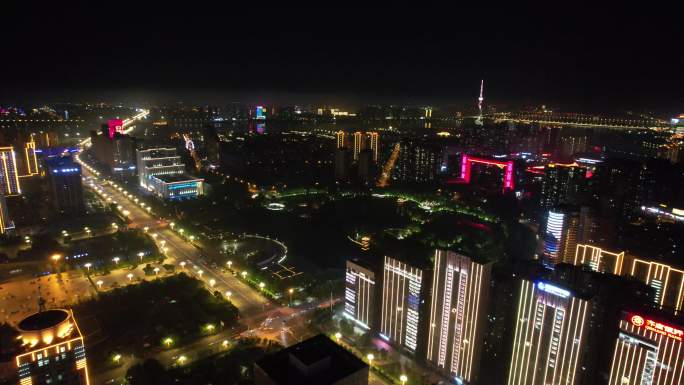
(657, 327)
(551, 289)
(467, 161)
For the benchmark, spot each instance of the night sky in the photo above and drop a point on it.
(586, 60)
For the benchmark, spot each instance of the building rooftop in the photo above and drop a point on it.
(175, 178)
(43, 320)
(317, 360)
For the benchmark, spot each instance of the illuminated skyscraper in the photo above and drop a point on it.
(457, 314)
(666, 280)
(158, 162)
(340, 135)
(66, 186)
(30, 158)
(9, 177)
(358, 144)
(648, 350)
(550, 337)
(373, 144)
(563, 184)
(54, 351)
(402, 297)
(359, 297)
(6, 223)
(566, 228)
(599, 260)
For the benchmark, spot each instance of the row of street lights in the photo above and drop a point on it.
(370, 357)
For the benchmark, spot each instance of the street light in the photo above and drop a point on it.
(182, 264)
(192, 238)
(130, 276)
(87, 265)
(244, 274)
(261, 285)
(212, 282)
(99, 284)
(291, 291)
(156, 270)
(171, 225)
(182, 359)
(116, 260)
(200, 273)
(168, 341)
(228, 294)
(370, 357)
(403, 379)
(338, 335)
(116, 358)
(141, 255)
(230, 264)
(56, 257)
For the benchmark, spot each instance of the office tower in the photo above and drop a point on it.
(372, 138)
(9, 177)
(563, 184)
(360, 294)
(665, 279)
(54, 351)
(403, 292)
(157, 162)
(599, 260)
(458, 306)
(359, 144)
(317, 360)
(6, 223)
(65, 183)
(117, 153)
(648, 350)
(417, 162)
(30, 158)
(565, 228)
(550, 337)
(341, 143)
(162, 172)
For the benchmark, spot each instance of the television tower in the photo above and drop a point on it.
(478, 121)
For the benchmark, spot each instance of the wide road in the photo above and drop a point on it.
(247, 299)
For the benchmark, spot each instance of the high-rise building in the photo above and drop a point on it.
(403, 294)
(359, 144)
(417, 162)
(372, 138)
(648, 350)
(9, 176)
(157, 162)
(65, 184)
(550, 336)
(563, 184)
(665, 279)
(30, 158)
(571, 145)
(599, 260)
(360, 294)
(6, 223)
(458, 305)
(54, 351)
(211, 144)
(116, 153)
(565, 228)
(317, 360)
(341, 142)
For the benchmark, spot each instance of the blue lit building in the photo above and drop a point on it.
(162, 172)
(65, 184)
(176, 187)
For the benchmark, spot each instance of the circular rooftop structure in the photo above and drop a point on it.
(46, 326)
(43, 320)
